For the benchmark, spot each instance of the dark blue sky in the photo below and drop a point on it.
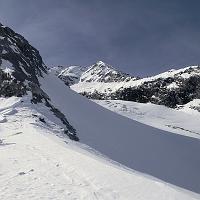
(141, 37)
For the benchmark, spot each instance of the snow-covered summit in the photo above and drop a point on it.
(99, 72)
(102, 72)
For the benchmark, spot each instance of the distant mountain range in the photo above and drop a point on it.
(102, 81)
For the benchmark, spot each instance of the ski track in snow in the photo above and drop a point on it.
(34, 168)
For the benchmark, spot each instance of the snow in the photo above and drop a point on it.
(4, 51)
(177, 121)
(75, 71)
(170, 157)
(14, 48)
(172, 85)
(8, 102)
(193, 107)
(35, 164)
(2, 119)
(22, 68)
(6, 66)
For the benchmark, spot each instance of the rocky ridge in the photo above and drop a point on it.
(21, 67)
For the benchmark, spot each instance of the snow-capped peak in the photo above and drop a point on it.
(100, 63)
(98, 72)
(102, 72)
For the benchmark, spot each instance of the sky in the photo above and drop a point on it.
(140, 37)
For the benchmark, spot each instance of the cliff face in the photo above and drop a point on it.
(17, 55)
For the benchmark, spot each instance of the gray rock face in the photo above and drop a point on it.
(20, 64)
(19, 56)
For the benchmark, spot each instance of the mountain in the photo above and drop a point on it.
(112, 157)
(20, 68)
(172, 88)
(102, 72)
(99, 72)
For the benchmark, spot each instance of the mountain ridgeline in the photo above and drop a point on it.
(170, 91)
(21, 67)
(171, 88)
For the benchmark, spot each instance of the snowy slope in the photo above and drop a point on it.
(167, 156)
(35, 164)
(193, 107)
(183, 121)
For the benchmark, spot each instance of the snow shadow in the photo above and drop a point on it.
(167, 156)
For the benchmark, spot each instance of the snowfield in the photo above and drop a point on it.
(170, 157)
(35, 164)
(39, 162)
